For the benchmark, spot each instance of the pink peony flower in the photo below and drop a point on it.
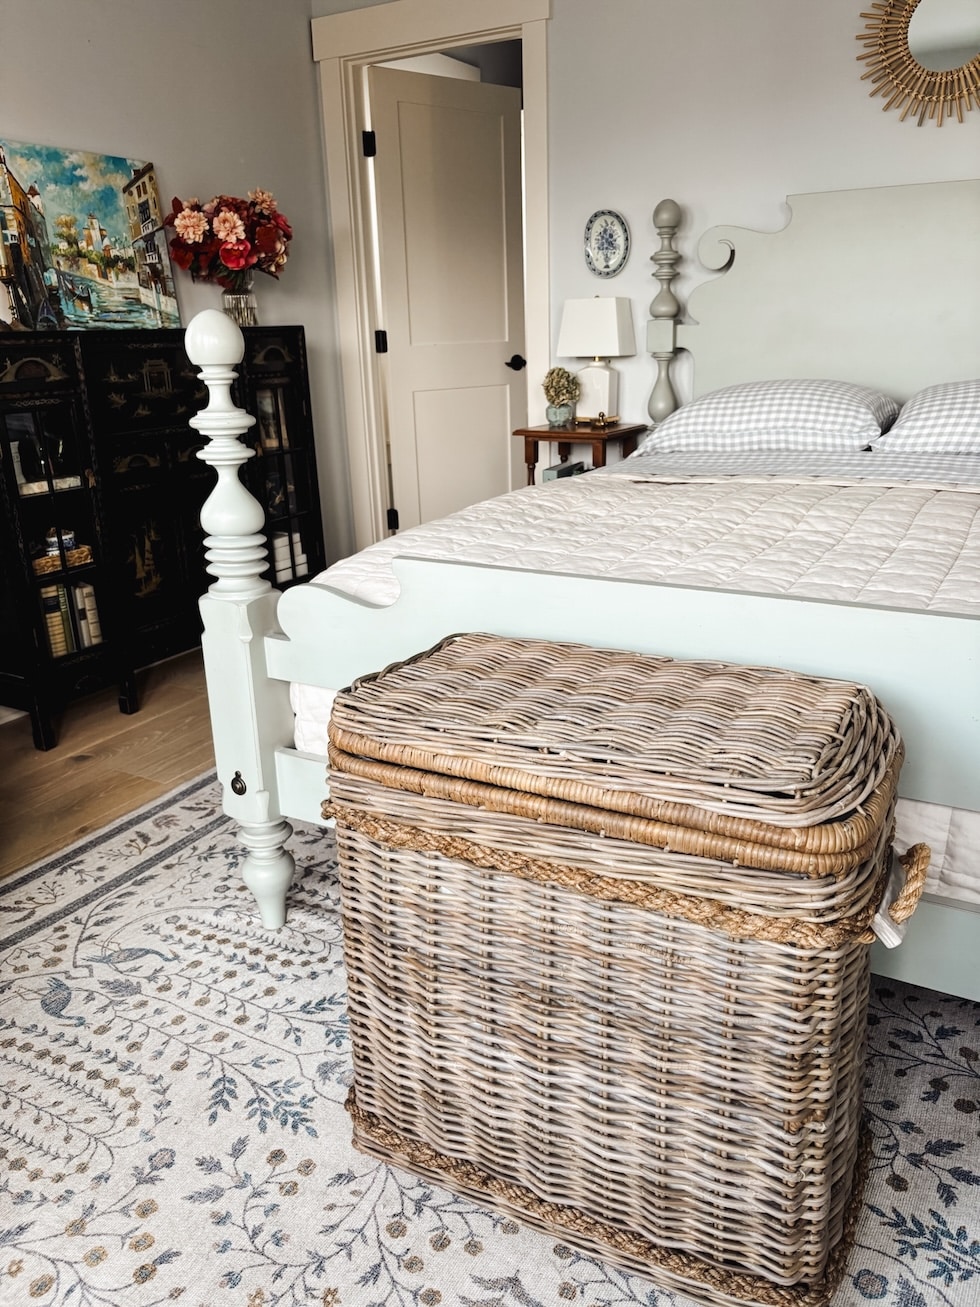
(191, 225)
(264, 201)
(228, 226)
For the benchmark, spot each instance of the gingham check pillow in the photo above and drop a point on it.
(777, 415)
(942, 419)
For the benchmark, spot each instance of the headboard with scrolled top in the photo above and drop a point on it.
(880, 287)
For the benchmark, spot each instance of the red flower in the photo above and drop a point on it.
(237, 255)
(181, 254)
(177, 205)
(267, 239)
(262, 247)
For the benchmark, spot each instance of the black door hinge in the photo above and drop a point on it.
(369, 144)
(381, 342)
(392, 519)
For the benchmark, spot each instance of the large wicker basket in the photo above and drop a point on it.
(606, 925)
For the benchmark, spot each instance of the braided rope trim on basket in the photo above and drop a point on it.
(735, 922)
(752, 1288)
(745, 843)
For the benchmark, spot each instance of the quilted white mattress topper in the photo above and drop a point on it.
(904, 535)
(848, 536)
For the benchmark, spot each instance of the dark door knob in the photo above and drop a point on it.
(516, 362)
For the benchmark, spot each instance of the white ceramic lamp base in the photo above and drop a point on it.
(598, 391)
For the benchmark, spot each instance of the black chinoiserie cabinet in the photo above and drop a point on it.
(101, 547)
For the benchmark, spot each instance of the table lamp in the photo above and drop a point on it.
(600, 328)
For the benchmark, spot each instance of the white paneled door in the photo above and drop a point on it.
(448, 193)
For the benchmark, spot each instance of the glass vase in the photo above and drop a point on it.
(239, 304)
(559, 415)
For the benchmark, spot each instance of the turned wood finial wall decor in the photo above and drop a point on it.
(895, 72)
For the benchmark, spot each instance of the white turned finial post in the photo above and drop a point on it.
(231, 517)
(664, 311)
(250, 713)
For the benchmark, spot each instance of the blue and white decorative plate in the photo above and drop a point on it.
(607, 242)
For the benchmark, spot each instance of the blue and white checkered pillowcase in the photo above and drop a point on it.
(942, 419)
(796, 414)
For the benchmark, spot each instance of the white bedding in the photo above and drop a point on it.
(870, 529)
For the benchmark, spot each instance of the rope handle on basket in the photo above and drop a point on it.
(915, 864)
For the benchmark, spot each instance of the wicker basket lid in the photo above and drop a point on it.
(707, 744)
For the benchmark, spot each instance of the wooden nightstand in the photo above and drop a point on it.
(625, 434)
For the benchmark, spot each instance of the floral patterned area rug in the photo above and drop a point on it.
(172, 1079)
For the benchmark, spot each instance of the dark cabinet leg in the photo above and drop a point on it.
(129, 699)
(42, 727)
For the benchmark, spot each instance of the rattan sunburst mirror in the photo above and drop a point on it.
(918, 90)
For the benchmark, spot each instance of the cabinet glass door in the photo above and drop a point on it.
(43, 449)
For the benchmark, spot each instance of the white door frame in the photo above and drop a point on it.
(343, 46)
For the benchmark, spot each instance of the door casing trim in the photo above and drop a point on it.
(343, 46)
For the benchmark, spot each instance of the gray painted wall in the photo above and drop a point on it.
(221, 95)
(727, 107)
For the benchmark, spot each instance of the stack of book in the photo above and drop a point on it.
(288, 558)
(71, 618)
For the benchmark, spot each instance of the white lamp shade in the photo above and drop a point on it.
(598, 328)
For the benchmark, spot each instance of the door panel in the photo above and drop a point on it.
(455, 229)
(458, 449)
(448, 185)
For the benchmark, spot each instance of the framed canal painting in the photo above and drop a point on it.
(81, 241)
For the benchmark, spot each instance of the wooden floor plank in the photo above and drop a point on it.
(105, 764)
(104, 797)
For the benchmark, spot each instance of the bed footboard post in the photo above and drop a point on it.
(250, 713)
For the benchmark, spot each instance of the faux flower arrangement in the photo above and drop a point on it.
(560, 387)
(227, 239)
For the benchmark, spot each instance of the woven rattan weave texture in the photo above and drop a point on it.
(657, 1052)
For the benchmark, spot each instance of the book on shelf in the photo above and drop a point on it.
(287, 571)
(85, 596)
(71, 618)
(67, 622)
(53, 624)
(81, 618)
(288, 558)
(281, 541)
